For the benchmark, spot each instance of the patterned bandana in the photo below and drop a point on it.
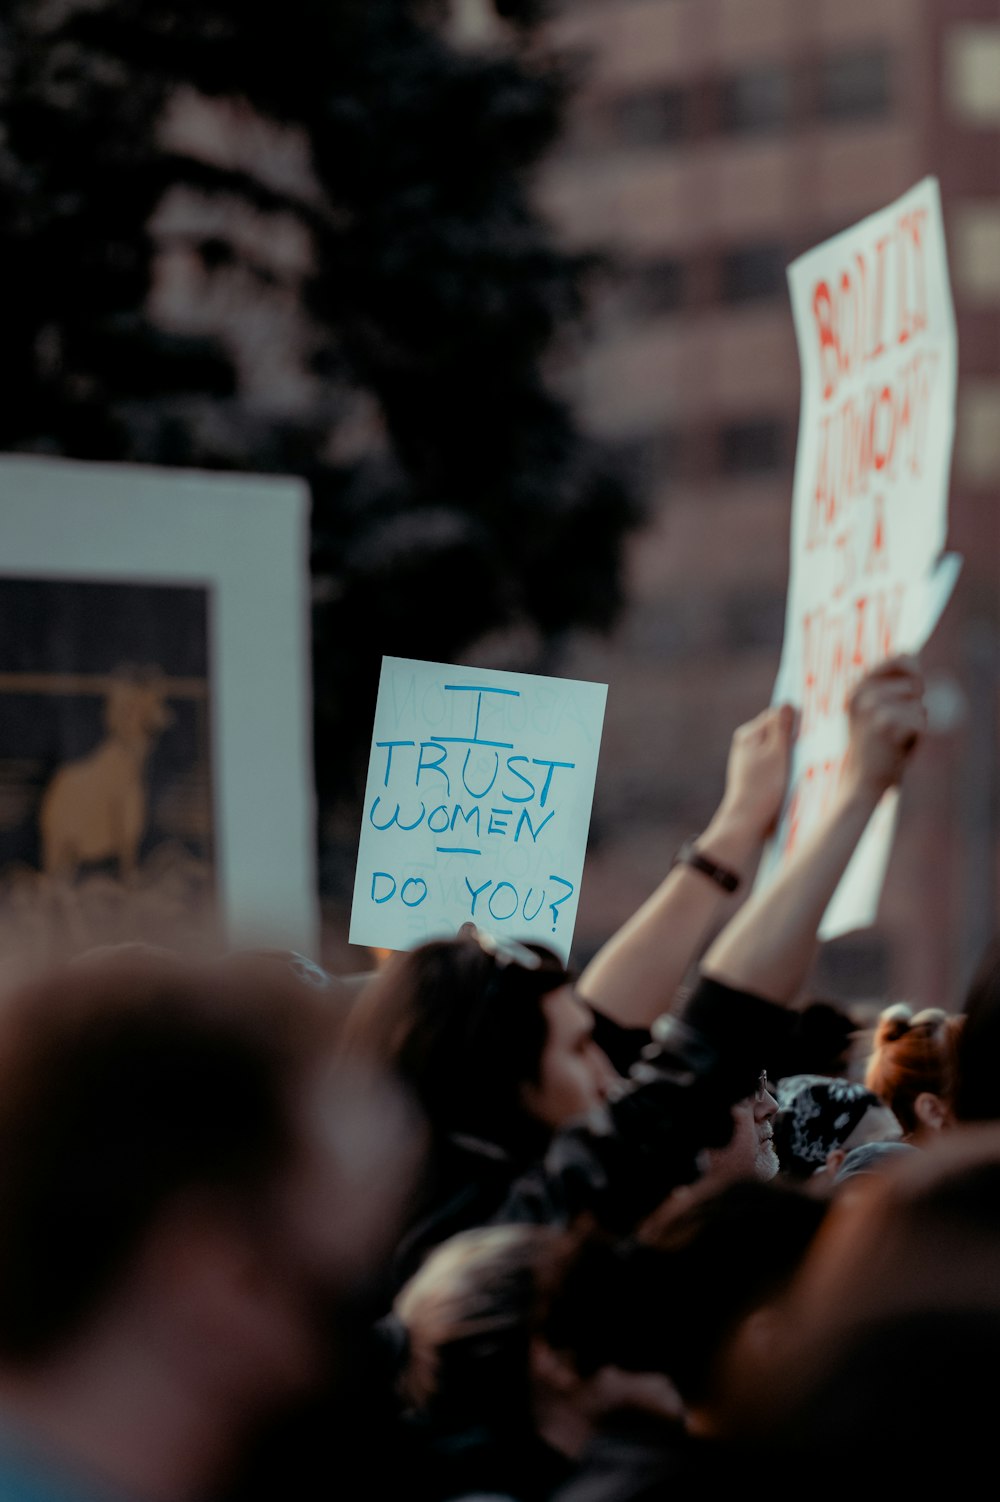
(817, 1115)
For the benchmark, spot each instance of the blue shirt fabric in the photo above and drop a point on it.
(28, 1476)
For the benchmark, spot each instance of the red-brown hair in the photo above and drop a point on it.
(913, 1053)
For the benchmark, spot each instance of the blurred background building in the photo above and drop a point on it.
(713, 141)
(346, 249)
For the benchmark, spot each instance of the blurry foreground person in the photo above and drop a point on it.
(977, 1087)
(539, 1360)
(505, 1377)
(191, 1194)
(892, 1334)
(476, 1379)
(674, 1303)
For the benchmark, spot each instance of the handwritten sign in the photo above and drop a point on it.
(876, 335)
(477, 805)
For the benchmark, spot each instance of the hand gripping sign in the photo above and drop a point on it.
(477, 805)
(868, 578)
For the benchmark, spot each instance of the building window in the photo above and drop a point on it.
(656, 287)
(760, 100)
(651, 117)
(972, 73)
(753, 619)
(754, 271)
(978, 448)
(976, 238)
(854, 86)
(752, 448)
(645, 459)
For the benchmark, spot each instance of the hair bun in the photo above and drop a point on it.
(895, 1022)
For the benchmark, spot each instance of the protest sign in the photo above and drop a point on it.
(868, 578)
(477, 805)
(155, 742)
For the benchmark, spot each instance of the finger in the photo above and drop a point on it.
(902, 726)
(893, 671)
(891, 692)
(777, 721)
(903, 662)
(886, 691)
(759, 723)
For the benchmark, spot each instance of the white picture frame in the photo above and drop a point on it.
(244, 539)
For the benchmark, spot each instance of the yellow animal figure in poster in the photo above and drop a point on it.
(95, 808)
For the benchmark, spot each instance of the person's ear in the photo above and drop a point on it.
(932, 1112)
(834, 1158)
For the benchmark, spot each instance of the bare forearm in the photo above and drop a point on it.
(634, 977)
(769, 945)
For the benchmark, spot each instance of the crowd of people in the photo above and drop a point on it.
(480, 1227)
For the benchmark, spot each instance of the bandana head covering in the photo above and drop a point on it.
(817, 1114)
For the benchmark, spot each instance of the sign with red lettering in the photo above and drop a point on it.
(868, 577)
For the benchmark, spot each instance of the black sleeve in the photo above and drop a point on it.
(623, 1045)
(678, 1102)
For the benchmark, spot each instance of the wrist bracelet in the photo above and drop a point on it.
(687, 855)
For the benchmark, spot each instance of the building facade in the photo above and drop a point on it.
(711, 142)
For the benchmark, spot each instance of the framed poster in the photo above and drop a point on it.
(155, 727)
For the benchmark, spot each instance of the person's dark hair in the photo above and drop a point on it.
(859, 1400)
(900, 1289)
(463, 1029)
(671, 1301)
(470, 1314)
(913, 1053)
(126, 1081)
(820, 1043)
(977, 1087)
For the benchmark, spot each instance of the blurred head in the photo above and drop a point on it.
(911, 1251)
(178, 1150)
(506, 1331)
(671, 1301)
(977, 1088)
(491, 1039)
(913, 1067)
(750, 1152)
(470, 1314)
(822, 1118)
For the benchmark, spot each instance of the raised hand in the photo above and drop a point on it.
(887, 720)
(757, 770)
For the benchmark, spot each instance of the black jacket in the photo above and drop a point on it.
(616, 1170)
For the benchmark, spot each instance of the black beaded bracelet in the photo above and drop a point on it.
(688, 855)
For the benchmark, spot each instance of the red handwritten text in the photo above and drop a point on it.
(839, 646)
(882, 433)
(877, 300)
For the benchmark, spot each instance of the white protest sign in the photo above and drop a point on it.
(876, 335)
(477, 805)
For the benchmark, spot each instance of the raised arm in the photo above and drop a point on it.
(769, 945)
(635, 976)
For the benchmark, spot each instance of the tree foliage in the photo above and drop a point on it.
(300, 239)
